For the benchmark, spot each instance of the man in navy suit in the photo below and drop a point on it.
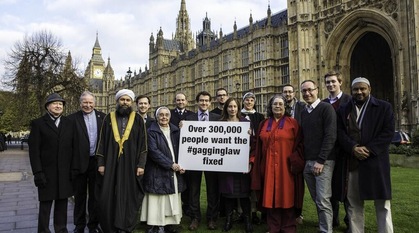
(87, 123)
(211, 178)
(333, 82)
(143, 105)
(180, 112)
(365, 130)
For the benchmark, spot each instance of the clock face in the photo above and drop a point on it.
(97, 73)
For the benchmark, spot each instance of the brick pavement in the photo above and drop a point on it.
(18, 194)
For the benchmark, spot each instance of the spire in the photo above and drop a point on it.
(97, 45)
(269, 21)
(109, 69)
(183, 29)
(251, 21)
(183, 6)
(235, 30)
(68, 65)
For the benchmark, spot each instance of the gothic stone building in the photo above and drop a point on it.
(375, 39)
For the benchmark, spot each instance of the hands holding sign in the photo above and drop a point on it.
(214, 146)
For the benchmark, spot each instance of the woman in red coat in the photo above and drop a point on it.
(278, 160)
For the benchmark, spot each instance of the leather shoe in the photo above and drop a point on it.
(95, 230)
(212, 225)
(194, 225)
(78, 231)
(171, 229)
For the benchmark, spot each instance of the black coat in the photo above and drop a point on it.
(158, 173)
(51, 152)
(175, 118)
(120, 190)
(376, 134)
(81, 142)
(340, 170)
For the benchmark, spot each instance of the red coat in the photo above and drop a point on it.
(278, 165)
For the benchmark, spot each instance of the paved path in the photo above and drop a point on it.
(18, 194)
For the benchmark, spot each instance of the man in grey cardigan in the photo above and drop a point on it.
(318, 122)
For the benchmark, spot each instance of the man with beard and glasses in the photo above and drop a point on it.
(121, 158)
(365, 130)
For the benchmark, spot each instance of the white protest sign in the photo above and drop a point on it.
(214, 146)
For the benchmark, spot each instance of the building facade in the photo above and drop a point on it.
(376, 39)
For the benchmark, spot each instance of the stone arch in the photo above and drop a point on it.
(344, 38)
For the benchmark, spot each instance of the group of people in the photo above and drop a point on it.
(123, 166)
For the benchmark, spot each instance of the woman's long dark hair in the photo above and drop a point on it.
(224, 114)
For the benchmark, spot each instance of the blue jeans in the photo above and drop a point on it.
(320, 188)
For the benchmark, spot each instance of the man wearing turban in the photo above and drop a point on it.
(121, 157)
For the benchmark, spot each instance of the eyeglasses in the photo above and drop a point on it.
(286, 92)
(308, 90)
(221, 95)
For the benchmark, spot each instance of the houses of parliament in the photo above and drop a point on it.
(376, 39)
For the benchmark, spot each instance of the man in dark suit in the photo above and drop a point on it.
(180, 112)
(294, 106)
(87, 123)
(143, 105)
(222, 97)
(333, 82)
(365, 130)
(51, 156)
(211, 178)
(177, 115)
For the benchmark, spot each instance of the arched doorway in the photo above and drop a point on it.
(371, 58)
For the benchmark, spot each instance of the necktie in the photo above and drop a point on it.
(203, 116)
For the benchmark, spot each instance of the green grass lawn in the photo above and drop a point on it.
(405, 209)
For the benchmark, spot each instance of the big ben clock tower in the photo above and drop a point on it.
(101, 78)
(96, 64)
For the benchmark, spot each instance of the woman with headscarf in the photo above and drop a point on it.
(249, 112)
(232, 185)
(278, 163)
(163, 182)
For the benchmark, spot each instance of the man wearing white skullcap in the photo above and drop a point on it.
(365, 130)
(121, 157)
(361, 80)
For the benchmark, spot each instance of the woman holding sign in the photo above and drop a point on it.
(278, 163)
(163, 183)
(232, 185)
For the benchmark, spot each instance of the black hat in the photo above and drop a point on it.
(53, 98)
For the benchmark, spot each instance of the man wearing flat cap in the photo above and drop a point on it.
(121, 158)
(365, 130)
(50, 152)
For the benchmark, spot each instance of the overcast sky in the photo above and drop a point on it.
(124, 26)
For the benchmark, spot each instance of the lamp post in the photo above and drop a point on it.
(237, 90)
(129, 72)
